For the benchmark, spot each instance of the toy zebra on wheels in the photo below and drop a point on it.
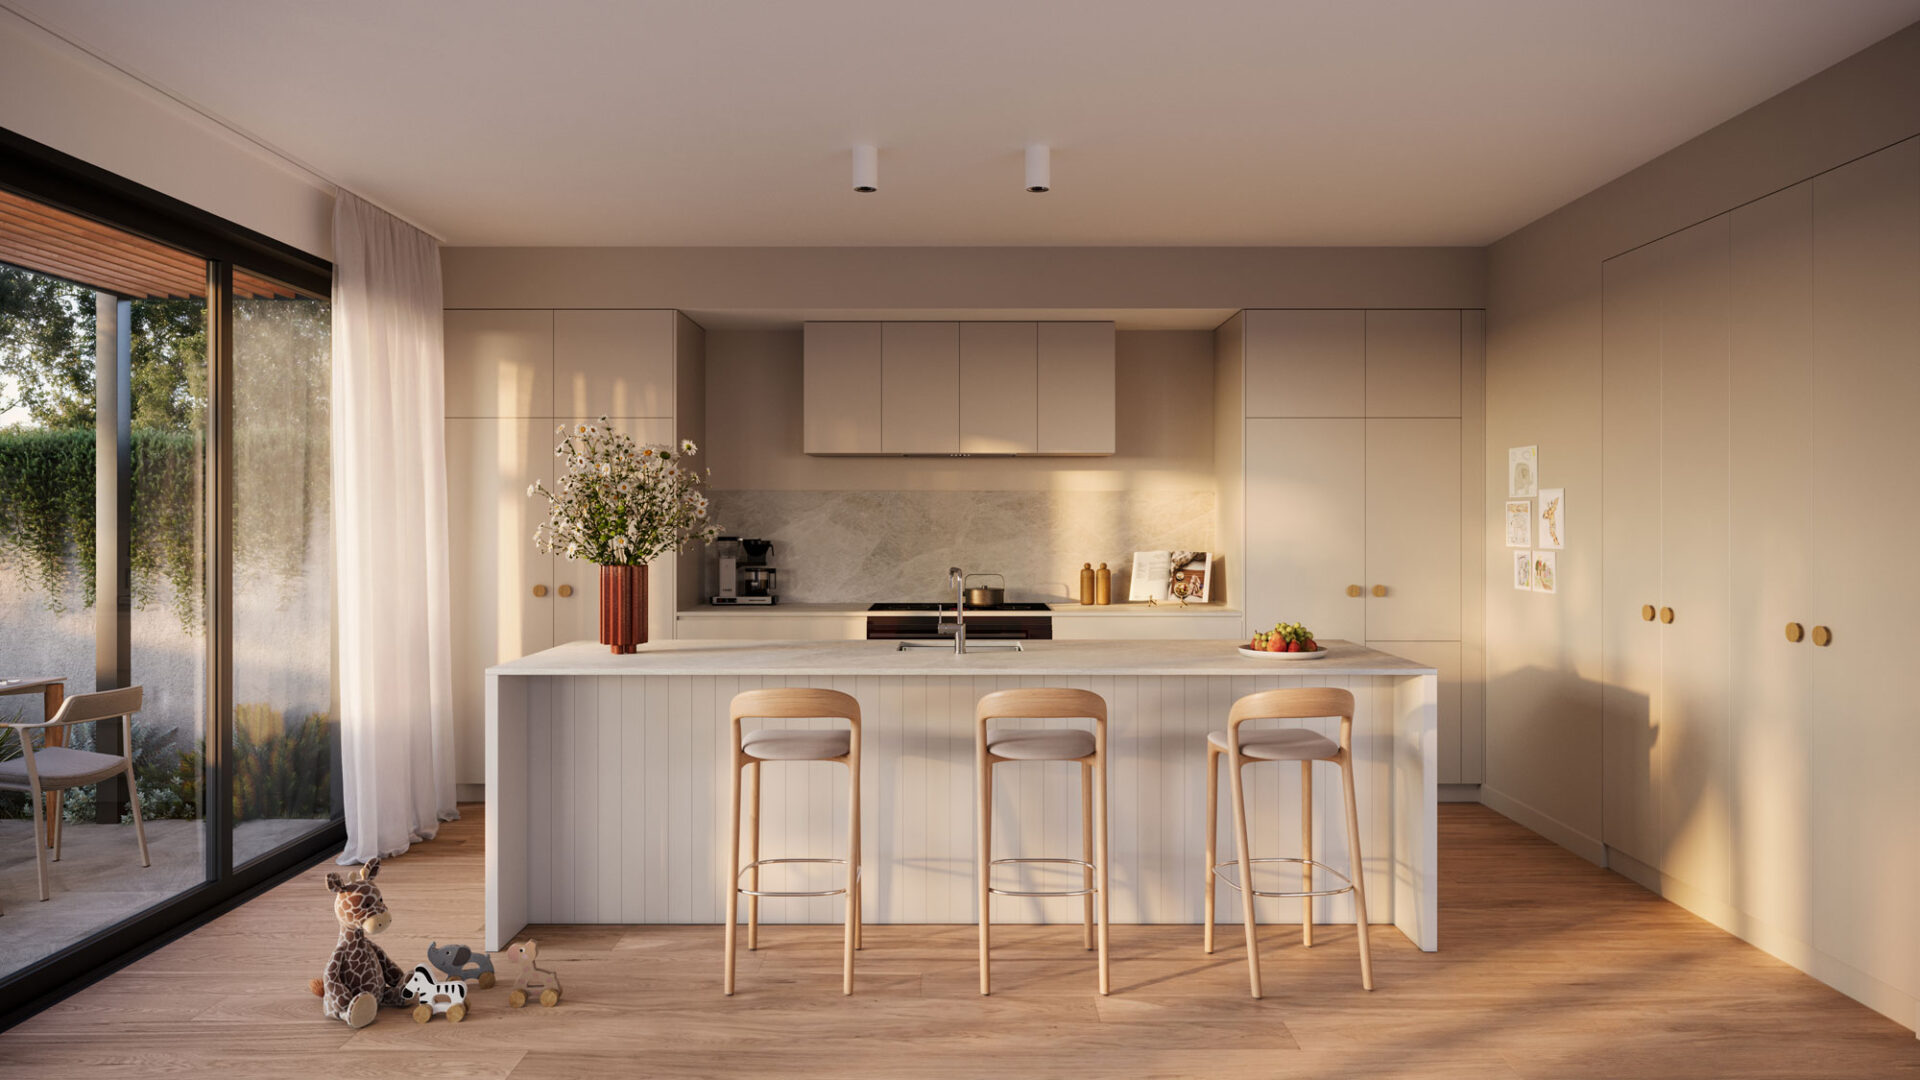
(434, 998)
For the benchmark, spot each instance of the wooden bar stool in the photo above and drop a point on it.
(769, 744)
(1285, 744)
(1089, 748)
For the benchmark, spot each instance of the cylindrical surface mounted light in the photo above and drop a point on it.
(1039, 168)
(866, 169)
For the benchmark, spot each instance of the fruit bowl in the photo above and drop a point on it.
(1295, 642)
(1263, 654)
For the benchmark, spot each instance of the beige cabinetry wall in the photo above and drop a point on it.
(1359, 453)
(512, 377)
(1761, 374)
(948, 388)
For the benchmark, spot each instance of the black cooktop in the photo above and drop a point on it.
(1023, 605)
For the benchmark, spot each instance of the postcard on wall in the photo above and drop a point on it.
(1181, 576)
(1523, 571)
(1520, 523)
(1543, 573)
(1553, 518)
(1523, 472)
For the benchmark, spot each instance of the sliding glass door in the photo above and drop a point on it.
(165, 522)
(286, 745)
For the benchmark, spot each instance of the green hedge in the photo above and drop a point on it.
(47, 510)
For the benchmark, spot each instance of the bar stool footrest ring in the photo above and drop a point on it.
(841, 891)
(1082, 863)
(1234, 864)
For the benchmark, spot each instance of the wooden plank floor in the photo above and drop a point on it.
(1549, 968)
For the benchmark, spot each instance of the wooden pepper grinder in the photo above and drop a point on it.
(1103, 592)
(1086, 583)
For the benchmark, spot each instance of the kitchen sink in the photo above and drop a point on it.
(972, 646)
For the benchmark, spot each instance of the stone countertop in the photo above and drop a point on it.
(1055, 608)
(692, 657)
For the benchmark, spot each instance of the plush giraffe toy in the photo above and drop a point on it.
(359, 976)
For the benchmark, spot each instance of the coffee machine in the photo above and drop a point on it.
(745, 577)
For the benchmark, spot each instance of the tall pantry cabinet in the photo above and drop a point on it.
(513, 376)
(1353, 444)
(1760, 744)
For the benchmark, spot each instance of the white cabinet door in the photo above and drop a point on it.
(1307, 525)
(1413, 363)
(1076, 388)
(576, 615)
(1306, 363)
(493, 565)
(1695, 830)
(1864, 442)
(920, 388)
(999, 388)
(1633, 288)
(841, 406)
(613, 363)
(1413, 530)
(499, 363)
(1771, 555)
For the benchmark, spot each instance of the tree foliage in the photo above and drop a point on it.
(282, 361)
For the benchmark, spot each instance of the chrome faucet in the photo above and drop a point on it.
(959, 580)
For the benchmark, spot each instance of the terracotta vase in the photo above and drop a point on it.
(623, 607)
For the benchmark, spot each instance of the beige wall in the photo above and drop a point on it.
(1543, 386)
(54, 94)
(819, 279)
(1163, 384)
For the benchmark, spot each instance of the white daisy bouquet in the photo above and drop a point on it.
(617, 503)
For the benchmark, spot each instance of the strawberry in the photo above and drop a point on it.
(1312, 645)
(1293, 646)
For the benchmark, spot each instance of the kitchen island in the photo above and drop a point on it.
(607, 781)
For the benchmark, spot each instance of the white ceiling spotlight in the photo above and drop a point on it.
(1039, 168)
(866, 168)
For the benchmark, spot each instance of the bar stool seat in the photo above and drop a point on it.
(1057, 745)
(1281, 744)
(768, 744)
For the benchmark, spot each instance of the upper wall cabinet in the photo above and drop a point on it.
(959, 388)
(499, 363)
(842, 388)
(1343, 363)
(1413, 363)
(613, 363)
(919, 388)
(1306, 363)
(1076, 388)
(999, 388)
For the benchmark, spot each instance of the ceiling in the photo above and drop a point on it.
(1204, 122)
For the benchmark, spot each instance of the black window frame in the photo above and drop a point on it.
(39, 172)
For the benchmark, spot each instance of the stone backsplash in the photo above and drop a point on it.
(851, 547)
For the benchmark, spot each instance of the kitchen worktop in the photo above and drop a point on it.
(887, 658)
(1054, 608)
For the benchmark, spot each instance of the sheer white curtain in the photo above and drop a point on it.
(390, 531)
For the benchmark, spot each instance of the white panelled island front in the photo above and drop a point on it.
(607, 781)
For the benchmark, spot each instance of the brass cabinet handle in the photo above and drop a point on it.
(539, 590)
(1666, 614)
(1822, 636)
(565, 590)
(1379, 590)
(1353, 590)
(1646, 612)
(1795, 631)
